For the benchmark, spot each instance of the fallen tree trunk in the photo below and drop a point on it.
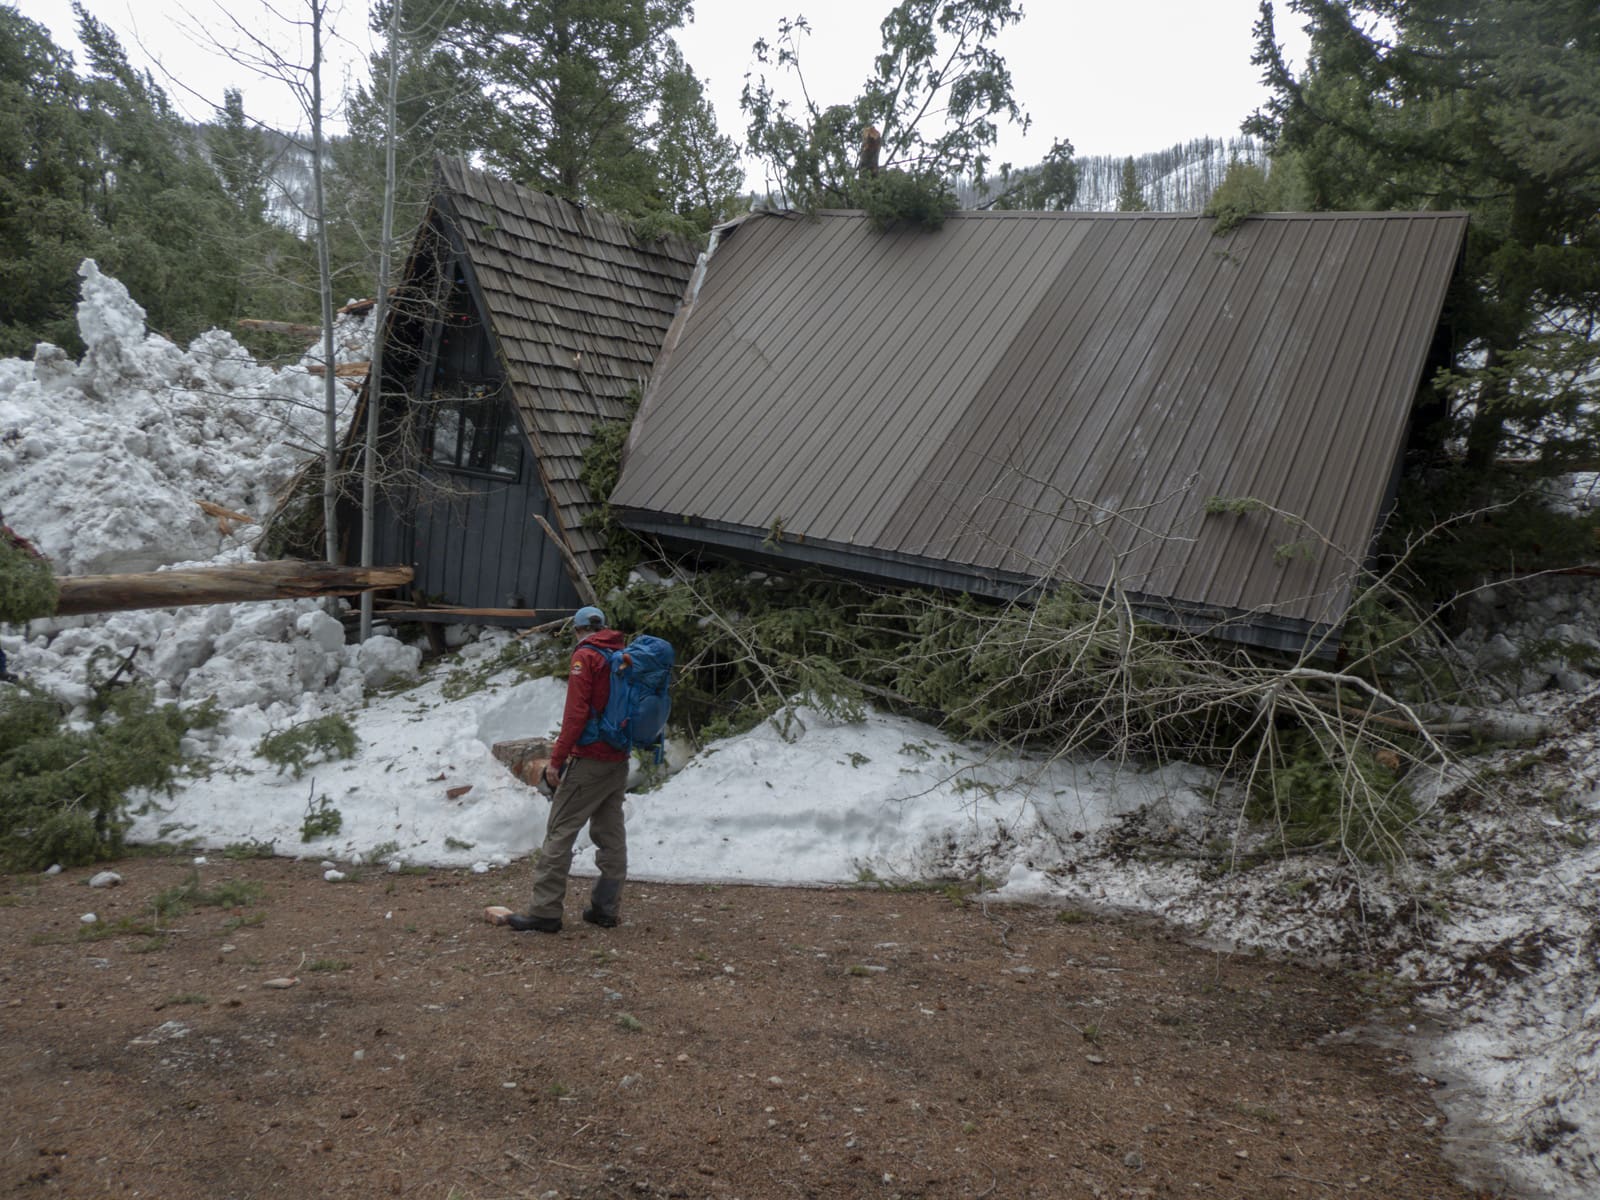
(287, 579)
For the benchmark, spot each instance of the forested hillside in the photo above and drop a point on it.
(1180, 178)
(210, 222)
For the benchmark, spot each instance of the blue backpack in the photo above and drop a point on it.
(636, 710)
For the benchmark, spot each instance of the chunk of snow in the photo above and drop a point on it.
(382, 659)
(324, 632)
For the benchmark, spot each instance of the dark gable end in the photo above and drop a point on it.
(1027, 397)
(576, 308)
(520, 322)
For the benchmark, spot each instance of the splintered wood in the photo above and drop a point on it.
(526, 758)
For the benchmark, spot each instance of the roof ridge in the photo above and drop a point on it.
(968, 214)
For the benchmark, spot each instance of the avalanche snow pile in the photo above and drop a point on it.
(1520, 636)
(103, 461)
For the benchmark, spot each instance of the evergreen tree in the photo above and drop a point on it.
(1052, 186)
(167, 226)
(569, 86)
(440, 108)
(1130, 198)
(587, 99)
(698, 166)
(1491, 106)
(1247, 189)
(99, 166)
(241, 157)
(45, 225)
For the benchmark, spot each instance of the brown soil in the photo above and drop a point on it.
(724, 1042)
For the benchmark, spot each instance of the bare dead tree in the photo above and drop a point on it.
(380, 318)
(316, 10)
(253, 50)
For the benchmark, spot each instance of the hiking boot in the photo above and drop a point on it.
(604, 904)
(524, 924)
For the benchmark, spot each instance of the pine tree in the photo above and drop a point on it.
(1491, 106)
(570, 85)
(1130, 198)
(99, 166)
(45, 226)
(1051, 186)
(697, 165)
(169, 231)
(1246, 189)
(440, 109)
(241, 157)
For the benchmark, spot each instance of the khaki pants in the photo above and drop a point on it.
(590, 794)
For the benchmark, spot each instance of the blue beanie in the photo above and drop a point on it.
(588, 617)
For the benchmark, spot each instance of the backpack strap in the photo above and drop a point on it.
(591, 727)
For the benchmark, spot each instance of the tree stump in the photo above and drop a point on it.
(526, 758)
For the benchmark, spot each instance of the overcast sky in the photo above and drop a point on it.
(1111, 76)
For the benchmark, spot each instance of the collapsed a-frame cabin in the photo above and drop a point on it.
(1211, 425)
(521, 322)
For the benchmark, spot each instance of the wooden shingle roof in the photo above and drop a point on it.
(577, 307)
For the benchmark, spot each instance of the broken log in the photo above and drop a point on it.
(344, 370)
(526, 758)
(867, 161)
(359, 306)
(288, 579)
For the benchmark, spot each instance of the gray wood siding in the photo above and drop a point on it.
(472, 542)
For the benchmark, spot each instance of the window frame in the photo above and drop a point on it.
(468, 399)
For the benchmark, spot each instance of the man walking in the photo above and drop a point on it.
(589, 777)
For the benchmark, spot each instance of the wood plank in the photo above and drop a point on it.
(399, 608)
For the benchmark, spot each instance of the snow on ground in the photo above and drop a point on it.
(1493, 924)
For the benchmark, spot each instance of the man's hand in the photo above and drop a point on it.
(552, 777)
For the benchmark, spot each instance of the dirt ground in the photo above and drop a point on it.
(723, 1042)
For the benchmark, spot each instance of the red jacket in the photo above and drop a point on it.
(588, 689)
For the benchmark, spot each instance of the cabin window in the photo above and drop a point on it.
(474, 429)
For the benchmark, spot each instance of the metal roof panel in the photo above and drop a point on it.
(1056, 395)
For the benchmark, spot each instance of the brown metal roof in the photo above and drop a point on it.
(577, 306)
(1051, 396)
